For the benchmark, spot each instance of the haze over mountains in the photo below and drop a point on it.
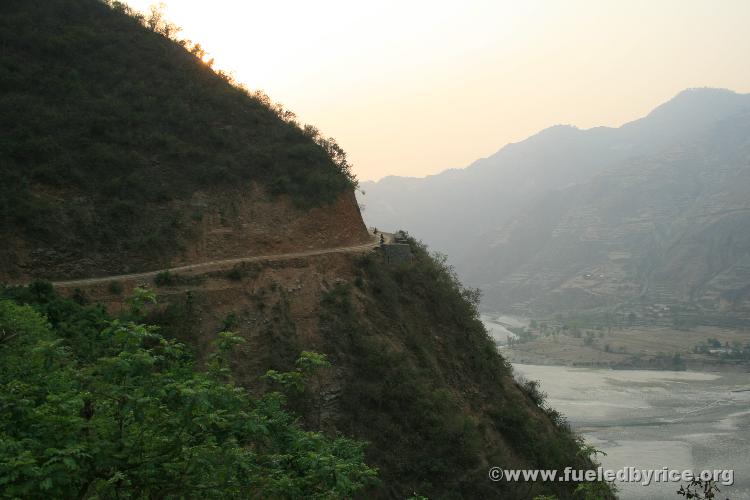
(570, 219)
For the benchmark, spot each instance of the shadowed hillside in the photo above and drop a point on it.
(130, 142)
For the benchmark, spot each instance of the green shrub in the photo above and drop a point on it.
(229, 322)
(164, 278)
(111, 409)
(531, 388)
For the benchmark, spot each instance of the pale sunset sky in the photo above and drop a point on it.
(414, 87)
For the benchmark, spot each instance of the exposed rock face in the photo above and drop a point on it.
(211, 225)
(227, 225)
(230, 225)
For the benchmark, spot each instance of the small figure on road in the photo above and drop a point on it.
(374, 230)
(382, 240)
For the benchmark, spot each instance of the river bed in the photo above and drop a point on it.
(653, 419)
(497, 327)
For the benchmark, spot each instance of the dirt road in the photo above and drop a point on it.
(217, 265)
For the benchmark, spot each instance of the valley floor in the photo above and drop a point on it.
(701, 348)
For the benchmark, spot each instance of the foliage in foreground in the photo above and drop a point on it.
(92, 407)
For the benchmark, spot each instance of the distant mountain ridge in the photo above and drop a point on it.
(494, 217)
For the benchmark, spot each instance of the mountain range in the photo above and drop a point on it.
(655, 211)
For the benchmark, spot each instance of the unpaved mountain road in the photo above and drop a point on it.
(218, 265)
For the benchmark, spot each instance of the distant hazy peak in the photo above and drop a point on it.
(699, 103)
(690, 111)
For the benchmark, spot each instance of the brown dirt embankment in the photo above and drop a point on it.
(210, 225)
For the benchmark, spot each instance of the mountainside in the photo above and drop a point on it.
(413, 370)
(122, 152)
(642, 204)
(116, 135)
(668, 228)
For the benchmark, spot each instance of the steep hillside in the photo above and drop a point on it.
(123, 152)
(413, 370)
(497, 218)
(115, 135)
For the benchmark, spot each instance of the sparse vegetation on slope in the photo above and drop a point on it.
(106, 120)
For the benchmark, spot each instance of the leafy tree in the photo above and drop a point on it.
(135, 418)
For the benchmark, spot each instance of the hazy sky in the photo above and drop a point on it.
(415, 87)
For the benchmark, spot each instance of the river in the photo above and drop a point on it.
(497, 326)
(654, 419)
